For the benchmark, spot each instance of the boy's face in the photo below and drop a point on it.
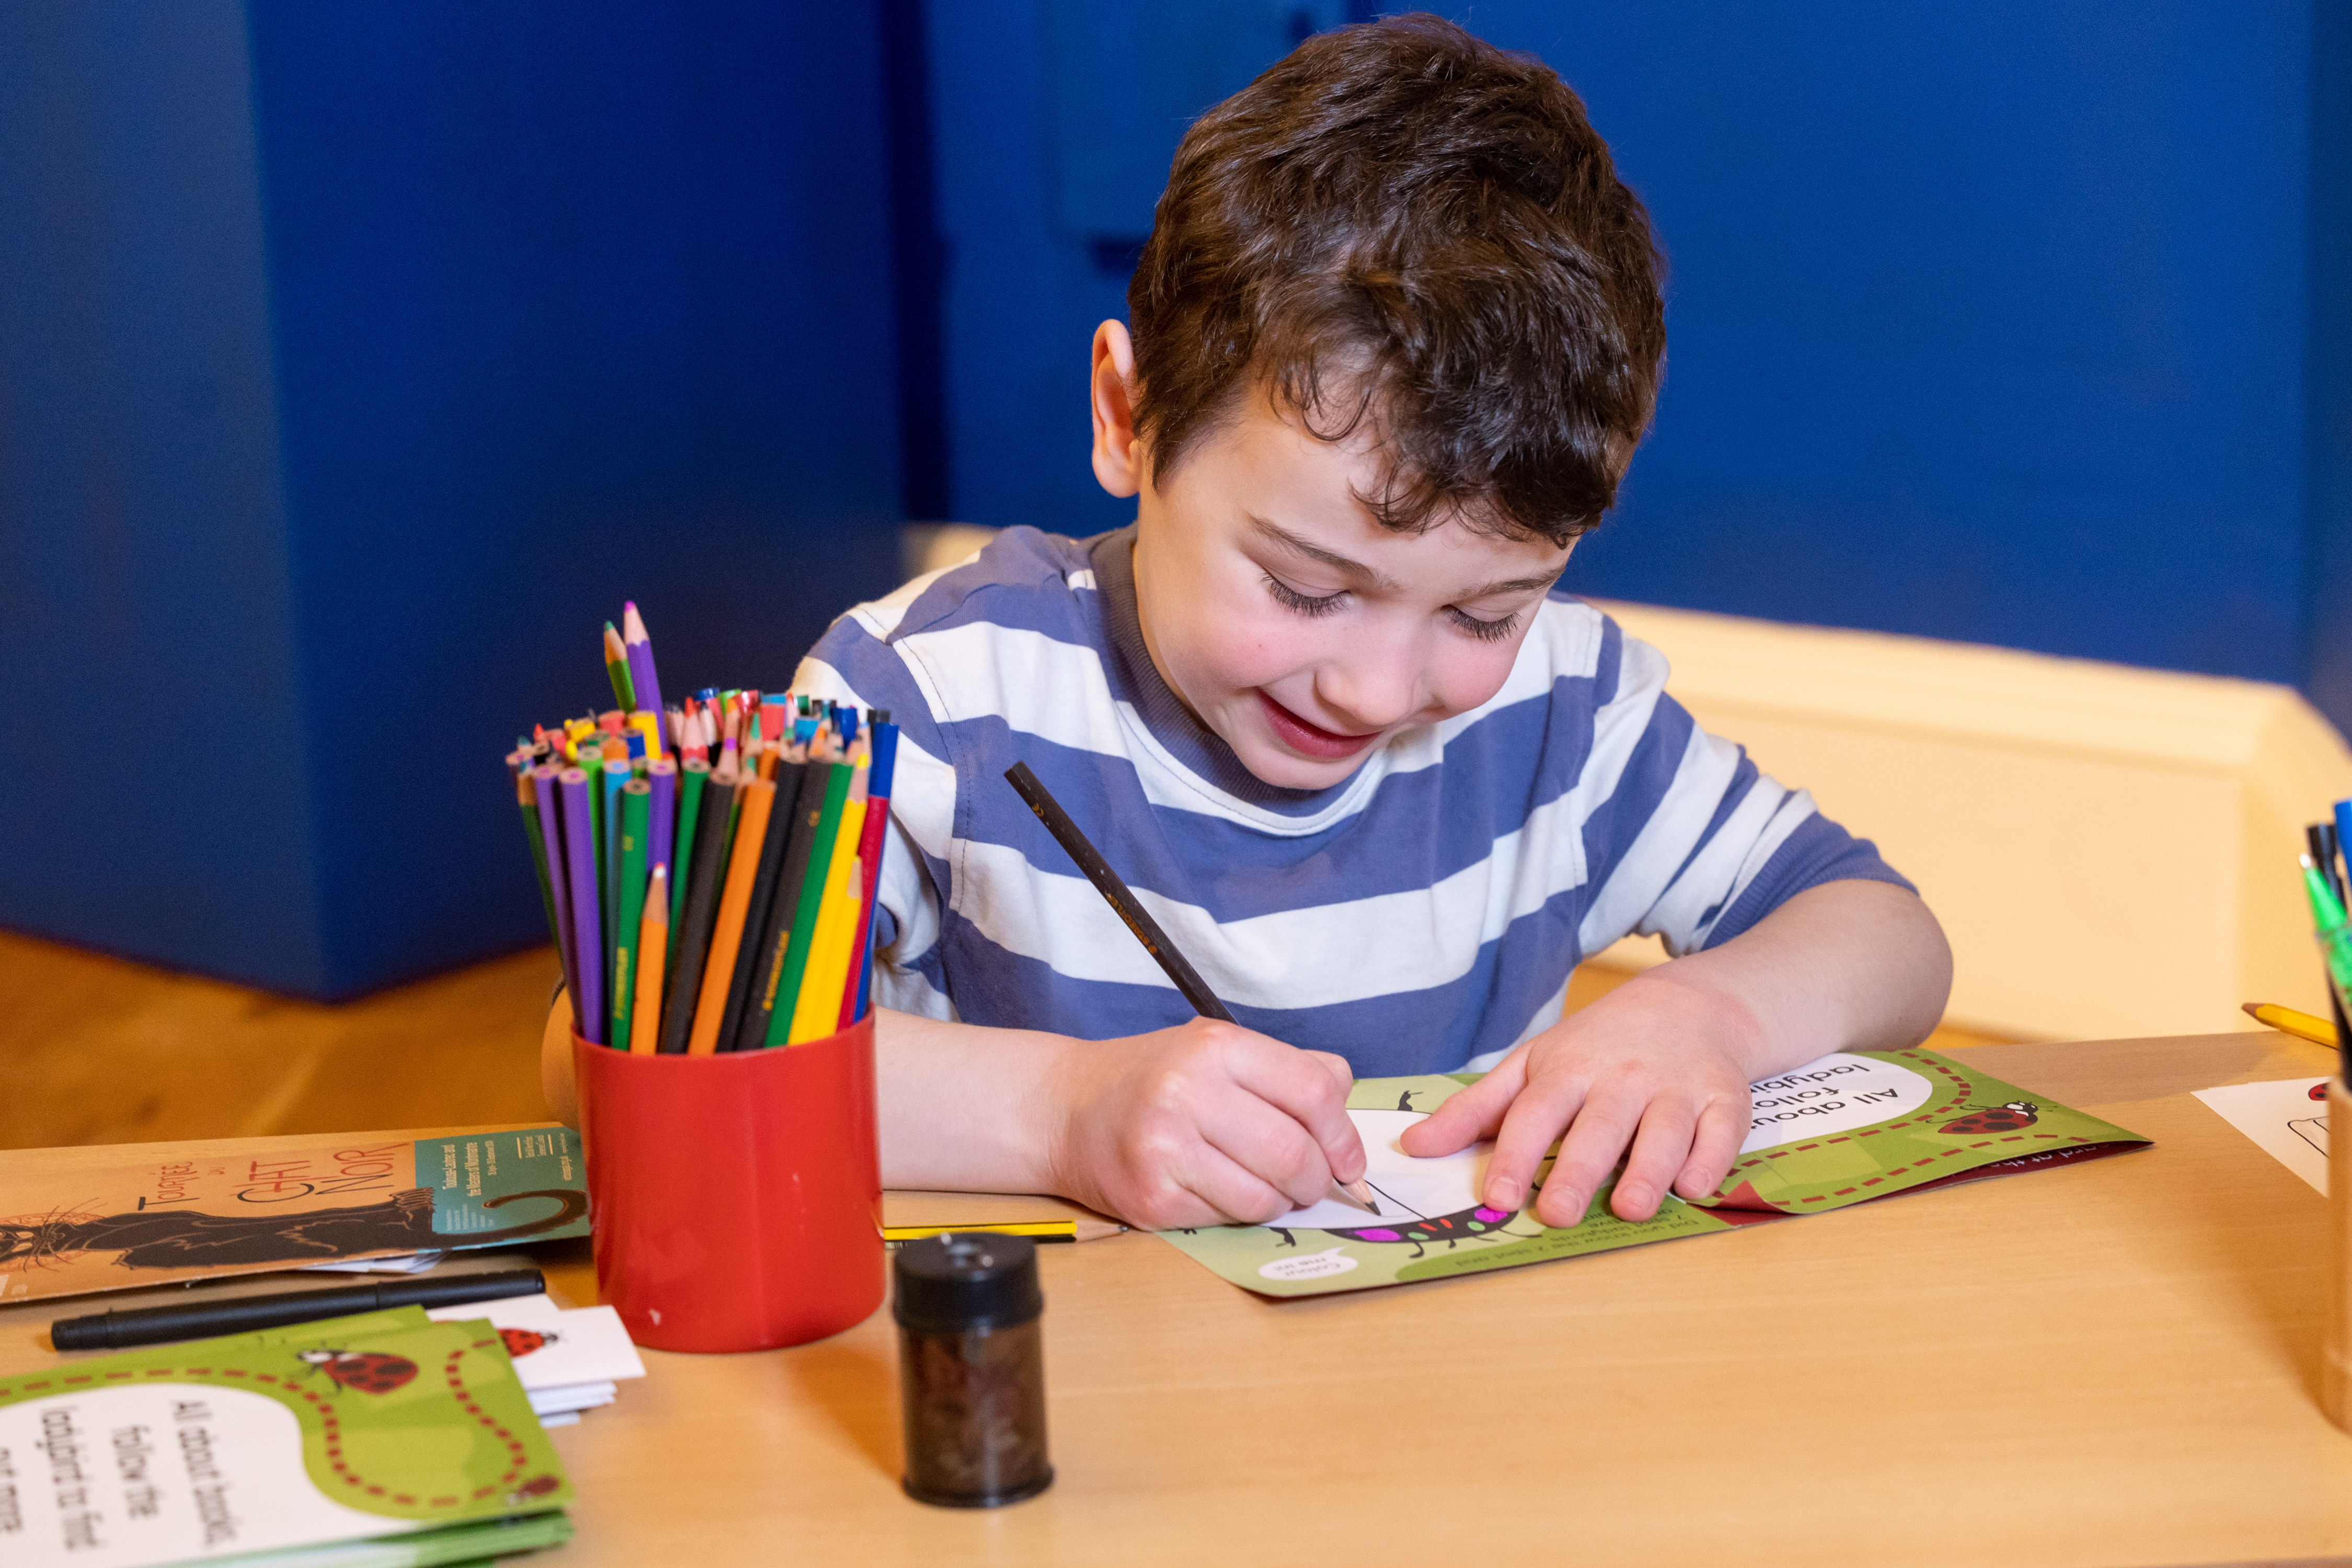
(1291, 622)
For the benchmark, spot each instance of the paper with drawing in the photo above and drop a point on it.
(2287, 1118)
(1844, 1130)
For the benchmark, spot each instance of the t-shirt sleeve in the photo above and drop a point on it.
(854, 662)
(1695, 844)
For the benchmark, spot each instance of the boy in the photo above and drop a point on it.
(1396, 334)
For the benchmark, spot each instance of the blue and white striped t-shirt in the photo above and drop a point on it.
(1420, 917)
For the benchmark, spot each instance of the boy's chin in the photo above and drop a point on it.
(1271, 763)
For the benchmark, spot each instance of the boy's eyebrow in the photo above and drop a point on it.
(1290, 541)
(1544, 579)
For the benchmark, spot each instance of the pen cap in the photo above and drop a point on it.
(947, 1284)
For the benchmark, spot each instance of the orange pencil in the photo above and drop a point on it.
(754, 799)
(653, 944)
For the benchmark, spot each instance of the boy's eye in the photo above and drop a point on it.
(1485, 631)
(1306, 604)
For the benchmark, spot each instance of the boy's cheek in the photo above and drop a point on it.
(1469, 676)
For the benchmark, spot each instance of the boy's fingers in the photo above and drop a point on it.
(1661, 1150)
(1543, 1108)
(1722, 1127)
(1339, 1066)
(1474, 1113)
(1604, 1124)
(1302, 1086)
(1271, 1146)
(1230, 1190)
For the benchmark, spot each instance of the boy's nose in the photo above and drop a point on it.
(1369, 688)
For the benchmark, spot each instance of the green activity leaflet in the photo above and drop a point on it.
(1852, 1127)
(383, 1438)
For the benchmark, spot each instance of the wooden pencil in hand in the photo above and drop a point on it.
(1138, 921)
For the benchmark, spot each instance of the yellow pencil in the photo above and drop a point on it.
(2288, 1021)
(816, 1011)
(653, 944)
(1036, 1229)
(836, 928)
(650, 726)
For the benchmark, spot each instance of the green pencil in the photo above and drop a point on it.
(616, 664)
(788, 988)
(691, 776)
(636, 799)
(528, 800)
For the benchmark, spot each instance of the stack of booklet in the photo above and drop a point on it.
(385, 1440)
(568, 1361)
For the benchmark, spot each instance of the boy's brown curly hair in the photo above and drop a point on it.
(1401, 224)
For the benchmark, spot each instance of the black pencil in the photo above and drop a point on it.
(776, 932)
(702, 910)
(1147, 930)
(755, 914)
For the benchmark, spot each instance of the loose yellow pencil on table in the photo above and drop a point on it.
(1036, 1229)
(2288, 1021)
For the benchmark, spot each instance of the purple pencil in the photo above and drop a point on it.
(587, 924)
(559, 880)
(640, 659)
(663, 811)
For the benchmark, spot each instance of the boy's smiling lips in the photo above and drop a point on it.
(1311, 740)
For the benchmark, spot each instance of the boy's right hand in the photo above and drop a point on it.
(1202, 1124)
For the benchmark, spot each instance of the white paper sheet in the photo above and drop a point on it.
(1407, 1188)
(2284, 1118)
(399, 1263)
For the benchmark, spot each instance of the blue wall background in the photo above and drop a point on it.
(2017, 323)
(356, 361)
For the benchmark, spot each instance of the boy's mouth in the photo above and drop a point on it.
(1312, 740)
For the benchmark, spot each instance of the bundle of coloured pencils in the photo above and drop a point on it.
(708, 870)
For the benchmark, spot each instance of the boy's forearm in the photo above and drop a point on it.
(1844, 966)
(967, 1108)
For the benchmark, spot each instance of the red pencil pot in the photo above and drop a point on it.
(735, 1200)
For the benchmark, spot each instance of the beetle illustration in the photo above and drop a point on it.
(538, 1485)
(521, 1343)
(368, 1371)
(2319, 1090)
(2007, 1118)
(1476, 1223)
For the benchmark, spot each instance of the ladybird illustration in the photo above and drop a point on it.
(370, 1372)
(538, 1485)
(2007, 1118)
(521, 1343)
(2319, 1090)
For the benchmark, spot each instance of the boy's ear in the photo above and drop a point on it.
(1119, 456)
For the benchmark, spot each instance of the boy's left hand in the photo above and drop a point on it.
(1657, 1065)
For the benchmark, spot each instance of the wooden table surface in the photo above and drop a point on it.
(2109, 1364)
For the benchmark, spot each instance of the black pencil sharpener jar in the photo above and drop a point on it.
(971, 1369)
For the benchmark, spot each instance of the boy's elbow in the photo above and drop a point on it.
(1918, 954)
(555, 1072)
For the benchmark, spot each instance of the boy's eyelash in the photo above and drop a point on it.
(1309, 605)
(1284, 594)
(1485, 631)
